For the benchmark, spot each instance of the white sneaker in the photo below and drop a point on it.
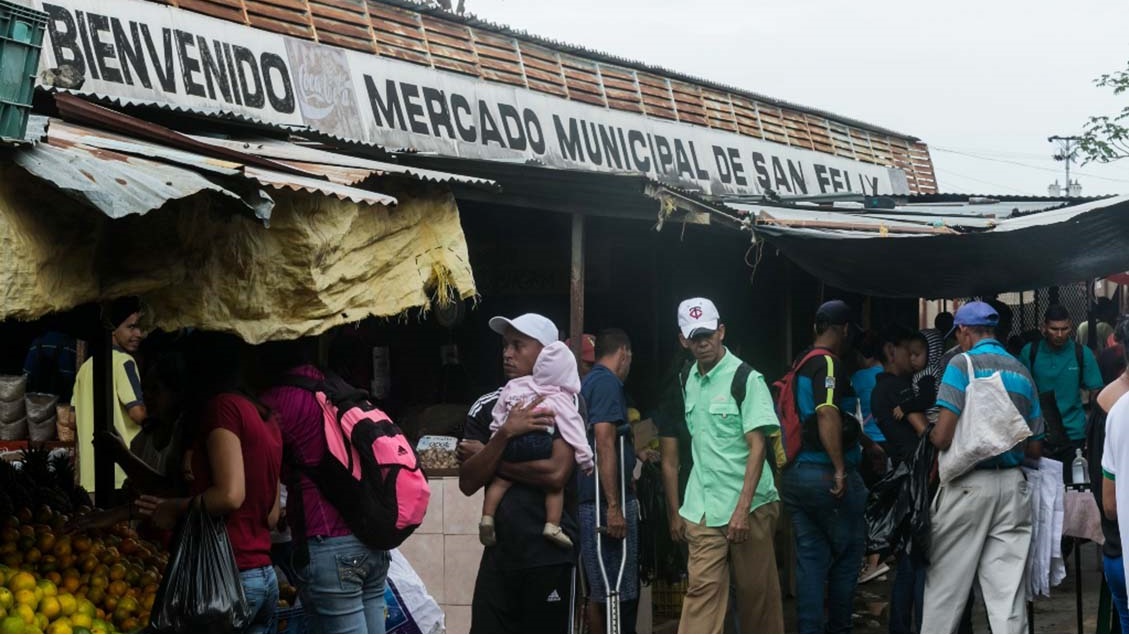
(870, 573)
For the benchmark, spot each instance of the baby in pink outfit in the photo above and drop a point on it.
(555, 378)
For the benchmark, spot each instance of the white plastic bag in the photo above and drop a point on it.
(989, 425)
(410, 608)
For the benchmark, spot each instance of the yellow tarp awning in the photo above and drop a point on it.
(200, 262)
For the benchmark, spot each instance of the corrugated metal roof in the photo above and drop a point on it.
(338, 167)
(962, 215)
(306, 184)
(271, 154)
(1024, 252)
(119, 184)
(618, 195)
(121, 175)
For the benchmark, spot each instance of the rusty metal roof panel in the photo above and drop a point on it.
(62, 131)
(121, 175)
(338, 166)
(305, 184)
(120, 185)
(218, 114)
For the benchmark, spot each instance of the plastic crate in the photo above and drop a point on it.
(667, 597)
(21, 39)
(291, 619)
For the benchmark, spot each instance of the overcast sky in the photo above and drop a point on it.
(988, 78)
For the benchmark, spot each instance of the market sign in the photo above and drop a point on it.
(145, 52)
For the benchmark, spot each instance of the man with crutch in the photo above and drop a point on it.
(609, 511)
(731, 505)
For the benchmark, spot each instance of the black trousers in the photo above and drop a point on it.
(537, 600)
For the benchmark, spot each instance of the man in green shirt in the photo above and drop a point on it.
(1054, 364)
(731, 506)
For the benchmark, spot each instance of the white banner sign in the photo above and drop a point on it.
(143, 51)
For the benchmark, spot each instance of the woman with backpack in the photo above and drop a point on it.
(235, 461)
(341, 579)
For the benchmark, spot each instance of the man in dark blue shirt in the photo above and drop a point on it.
(602, 390)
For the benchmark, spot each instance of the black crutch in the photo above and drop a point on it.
(612, 611)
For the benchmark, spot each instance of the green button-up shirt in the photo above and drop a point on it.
(717, 428)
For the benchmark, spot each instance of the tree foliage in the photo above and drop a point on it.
(1105, 138)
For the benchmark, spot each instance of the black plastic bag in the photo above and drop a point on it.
(201, 591)
(922, 487)
(897, 511)
(888, 512)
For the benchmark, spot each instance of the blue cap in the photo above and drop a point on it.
(975, 314)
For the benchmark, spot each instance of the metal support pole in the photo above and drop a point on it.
(1078, 583)
(576, 287)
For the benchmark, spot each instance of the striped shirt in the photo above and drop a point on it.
(989, 357)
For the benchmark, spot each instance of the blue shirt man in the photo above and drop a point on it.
(863, 383)
(606, 402)
(988, 357)
(981, 520)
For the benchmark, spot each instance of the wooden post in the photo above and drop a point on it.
(789, 333)
(104, 404)
(576, 287)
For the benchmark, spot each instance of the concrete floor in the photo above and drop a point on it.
(1056, 614)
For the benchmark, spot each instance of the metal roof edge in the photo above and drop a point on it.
(215, 115)
(600, 56)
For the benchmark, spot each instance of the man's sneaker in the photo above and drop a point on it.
(870, 573)
(557, 535)
(486, 532)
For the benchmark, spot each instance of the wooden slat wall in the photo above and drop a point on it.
(391, 31)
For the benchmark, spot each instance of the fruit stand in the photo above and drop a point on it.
(57, 576)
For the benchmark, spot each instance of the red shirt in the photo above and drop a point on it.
(261, 445)
(302, 423)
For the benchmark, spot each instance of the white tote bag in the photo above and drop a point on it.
(989, 425)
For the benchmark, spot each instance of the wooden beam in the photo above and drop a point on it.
(576, 286)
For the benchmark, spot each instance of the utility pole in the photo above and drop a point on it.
(1067, 150)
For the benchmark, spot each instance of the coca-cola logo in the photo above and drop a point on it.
(321, 90)
(324, 89)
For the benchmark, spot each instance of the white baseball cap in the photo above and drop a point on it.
(536, 326)
(697, 316)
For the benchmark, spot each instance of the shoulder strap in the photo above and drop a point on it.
(684, 376)
(810, 355)
(971, 368)
(740, 383)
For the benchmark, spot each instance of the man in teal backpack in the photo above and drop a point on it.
(731, 506)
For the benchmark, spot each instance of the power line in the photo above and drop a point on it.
(973, 178)
(1024, 165)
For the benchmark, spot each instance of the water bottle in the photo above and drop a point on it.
(1080, 472)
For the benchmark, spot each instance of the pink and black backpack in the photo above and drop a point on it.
(370, 473)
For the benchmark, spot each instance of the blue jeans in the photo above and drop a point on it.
(830, 541)
(1115, 578)
(343, 586)
(260, 586)
(907, 596)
